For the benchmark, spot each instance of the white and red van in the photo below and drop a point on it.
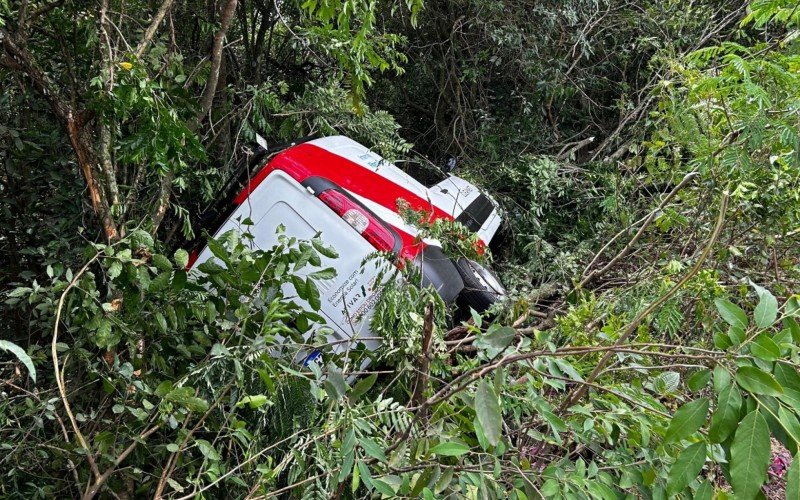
(339, 189)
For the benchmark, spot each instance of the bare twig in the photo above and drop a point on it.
(216, 58)
(95, 488)
(59, 378)
(425, 356)
(645, 221)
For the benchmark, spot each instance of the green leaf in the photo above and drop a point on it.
(736, 335)
(450, 449)
(347, 466)
(181, 258)
(756, 381)
(383, 488)
(323, 249)
(793, 478)
(793, 327)
(731, 313)
(721, 341)
(722, 378)
(323, 274)
(686, 467)
(313, 295)
(789, 422)
(362, 386)
(207, 449)
(765, 348)
(497, 339)
(335, 384)
(114, 269)
(163, 388)
(178, 281)
(21, 355)
(160, 282)
(704, 492)
(750, 454)
(488, 411)
(254, 401)
(480, 434)
(219, 251)
(687, 420)
(372, 449)
(161, 262)
(141, 238)
(767, 309)
(726, 415)
(185, 397)
(789, 379)
(699, 379)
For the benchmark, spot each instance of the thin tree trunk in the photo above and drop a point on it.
(206, 101)
(151, 30)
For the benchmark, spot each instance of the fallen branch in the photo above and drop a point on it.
(645, 221)
(634, 325)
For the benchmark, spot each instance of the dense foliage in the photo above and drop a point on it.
(647, 158)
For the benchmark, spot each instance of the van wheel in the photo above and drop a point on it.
(482, 288)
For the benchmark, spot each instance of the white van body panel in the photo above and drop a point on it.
(348, 299)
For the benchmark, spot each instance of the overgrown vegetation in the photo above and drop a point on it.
(646, 155)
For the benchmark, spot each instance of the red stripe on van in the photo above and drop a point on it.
(307, 160)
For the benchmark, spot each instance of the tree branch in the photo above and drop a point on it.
(22, 61)
(151, 30)
(634, 325)
(59, 378)
(216, 59)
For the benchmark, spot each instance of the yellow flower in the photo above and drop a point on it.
(126, 66)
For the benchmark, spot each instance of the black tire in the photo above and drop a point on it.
(482, 287)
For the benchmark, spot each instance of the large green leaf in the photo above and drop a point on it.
(704, 492)
(687, 420)
(726, 416)
(722, 378)
(699, 379)
(758, 382)
(731, 313)
(767, 309)
(793, 327)
(793, 478)
(495, 340)
(750, 454)
(488, 411)
(21, 355)
(362, 387)
(765, 348)
(451, 449)
(788, 378)
(372, 449)
(789, 423)
(686, 468)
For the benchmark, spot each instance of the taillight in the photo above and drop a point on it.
(359, 219)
